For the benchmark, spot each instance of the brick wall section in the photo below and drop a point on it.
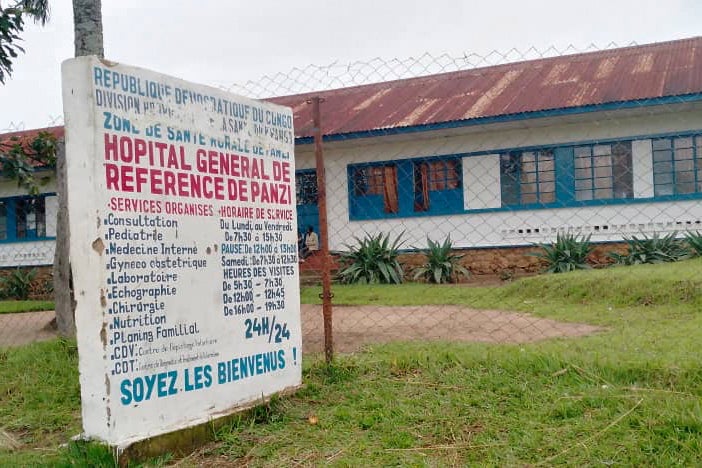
(503, 263)
(514, 260)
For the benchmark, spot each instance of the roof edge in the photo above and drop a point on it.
(609, 106)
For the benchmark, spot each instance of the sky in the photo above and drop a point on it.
(225, 42)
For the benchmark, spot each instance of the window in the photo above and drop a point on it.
(433, 177)
(3, 220)
(306, 187)
(603, 172)
(527, 177)
(377, 182)
(405, 188)
(677, 165)
(22, 218)
(30, 218)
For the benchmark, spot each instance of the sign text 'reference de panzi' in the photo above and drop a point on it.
(183, 249)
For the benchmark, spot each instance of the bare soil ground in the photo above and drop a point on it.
(357, 326)
(27, 327)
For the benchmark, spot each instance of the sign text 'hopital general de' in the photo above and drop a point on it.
(183, 249)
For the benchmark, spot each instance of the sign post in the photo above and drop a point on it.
(183, 249)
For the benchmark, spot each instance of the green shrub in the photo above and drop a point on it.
(568, 253)
(694, 241)
(441, 266)
(18, 284)
(372, 260)
(654, 249)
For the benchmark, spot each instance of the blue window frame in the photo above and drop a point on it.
(406, 188)
(528, 177)
(677, 165)
(23, 219)
(373, 191)
(437, 182)
(3, 220)
(603, 171)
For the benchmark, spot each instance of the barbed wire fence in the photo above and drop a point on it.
(494, 193)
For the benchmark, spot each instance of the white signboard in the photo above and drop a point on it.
(183, 249)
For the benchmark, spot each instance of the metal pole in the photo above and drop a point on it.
(323, 231)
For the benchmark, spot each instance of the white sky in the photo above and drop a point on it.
(221, 42)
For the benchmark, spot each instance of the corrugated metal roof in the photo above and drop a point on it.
(634, 73)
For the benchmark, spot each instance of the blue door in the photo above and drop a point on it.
(307, 209)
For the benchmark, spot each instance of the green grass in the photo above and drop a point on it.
(11, 307)
(39, 399)
(630, 395)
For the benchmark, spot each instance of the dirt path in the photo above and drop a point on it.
(357, 326)
(24, 328)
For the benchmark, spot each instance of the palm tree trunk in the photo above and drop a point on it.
(87, 25)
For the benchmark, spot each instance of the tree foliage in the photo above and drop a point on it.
(20, 161)
(12, 23)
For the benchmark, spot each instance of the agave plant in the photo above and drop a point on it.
(654, 249)
(568, 253)
(694, 241)
(372, 260)
(442, 266)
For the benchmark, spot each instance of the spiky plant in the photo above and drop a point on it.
(694, 241)
(442, 266)
(654, 249)
(372, 260)
(568, 253)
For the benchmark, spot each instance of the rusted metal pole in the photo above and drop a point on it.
(323, 231)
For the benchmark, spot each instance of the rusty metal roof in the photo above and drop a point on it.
(638, 73)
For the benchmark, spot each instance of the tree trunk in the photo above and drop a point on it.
(63, 287)
(87, 27)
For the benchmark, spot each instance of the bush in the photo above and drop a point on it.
(694, 241)
(18, 284)
(568, 253)
(654, 249)
(372, 260)
(441, 266)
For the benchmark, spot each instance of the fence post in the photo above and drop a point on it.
(323, 231)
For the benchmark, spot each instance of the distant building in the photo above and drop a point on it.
(606, 143)
(28, 223)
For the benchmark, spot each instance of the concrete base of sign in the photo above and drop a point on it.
(183, 441)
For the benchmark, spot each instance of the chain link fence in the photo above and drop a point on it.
(493, 190)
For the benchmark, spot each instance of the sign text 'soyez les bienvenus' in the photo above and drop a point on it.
(183, 249)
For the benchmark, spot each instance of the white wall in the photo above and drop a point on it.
(482, 189)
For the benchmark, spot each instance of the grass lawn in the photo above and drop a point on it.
(628, 396)
(11, 307)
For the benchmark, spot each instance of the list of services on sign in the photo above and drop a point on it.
(183, 249)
